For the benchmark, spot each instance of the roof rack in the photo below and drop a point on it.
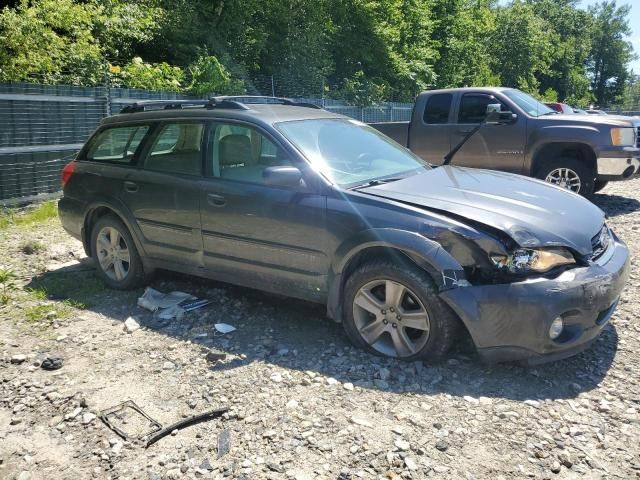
(147, 105)
(264, 100)
(239, 102)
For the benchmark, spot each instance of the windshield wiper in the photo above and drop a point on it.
(373, 183)
(552, 112)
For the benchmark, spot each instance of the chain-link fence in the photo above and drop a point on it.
(42, 127)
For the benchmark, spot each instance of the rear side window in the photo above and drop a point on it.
(437, 108)
(177, 148)
(118, 144)
(473, 108)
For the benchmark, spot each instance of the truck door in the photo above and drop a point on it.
(496, 147)
(430, 130)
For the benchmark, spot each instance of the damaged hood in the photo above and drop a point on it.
(531, 212)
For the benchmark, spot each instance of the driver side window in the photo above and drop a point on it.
(242, 153)
(473, 107)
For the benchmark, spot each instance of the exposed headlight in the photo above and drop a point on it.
(525, 260)
(556, 328)
(623, 136)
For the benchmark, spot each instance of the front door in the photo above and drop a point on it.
(496, 147)
(163, 193)
(259, 235)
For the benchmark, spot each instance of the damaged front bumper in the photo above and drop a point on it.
(510, 322)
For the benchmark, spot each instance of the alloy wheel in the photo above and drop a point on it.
(565, 178)
(113, 253)
(391, 318)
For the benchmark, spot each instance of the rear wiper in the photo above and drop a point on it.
(373, 183)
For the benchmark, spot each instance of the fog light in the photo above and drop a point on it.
(556, 328)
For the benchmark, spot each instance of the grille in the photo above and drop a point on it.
(600, 243)
(638, 138)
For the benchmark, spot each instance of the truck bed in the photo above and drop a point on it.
(398, 131)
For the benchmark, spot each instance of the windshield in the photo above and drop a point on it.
(527, 103)
(348, 152)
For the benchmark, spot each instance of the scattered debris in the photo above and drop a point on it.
(18, 359)
(115, 417)
(215, 355)
(169, 306)
(224, 328)
(131, 325)
(224, 443)
(187, 422)
(51, 363)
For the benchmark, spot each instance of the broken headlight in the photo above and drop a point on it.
(539, 260)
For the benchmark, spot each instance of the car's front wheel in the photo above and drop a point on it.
(117, 259)
(393, 310)
(569, 173)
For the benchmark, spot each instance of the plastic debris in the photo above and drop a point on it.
(224, 328)
(169, 306)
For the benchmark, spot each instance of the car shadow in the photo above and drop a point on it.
(615, 205)
(296, 335)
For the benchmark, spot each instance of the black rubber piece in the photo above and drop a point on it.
(599, 185)
(187, 422)
(51, 363)
(445, 324)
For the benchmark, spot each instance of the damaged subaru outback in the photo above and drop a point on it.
(288, 198)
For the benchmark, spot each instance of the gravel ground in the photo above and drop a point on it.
(303, 403)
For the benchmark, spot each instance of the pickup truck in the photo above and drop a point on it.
(578, 152)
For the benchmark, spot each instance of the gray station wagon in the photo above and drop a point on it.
(291, 199)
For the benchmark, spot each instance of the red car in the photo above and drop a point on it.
(559, 107)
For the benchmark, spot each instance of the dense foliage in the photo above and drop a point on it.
(360, 50)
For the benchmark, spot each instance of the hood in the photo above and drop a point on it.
(531, 212)
(592, 120)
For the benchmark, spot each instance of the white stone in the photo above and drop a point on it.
(130, 325)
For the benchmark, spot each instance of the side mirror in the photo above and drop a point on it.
(282, 176)
(495, 116)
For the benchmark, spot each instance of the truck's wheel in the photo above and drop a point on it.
(569, 173)
(393, 310)
(117, 259)
(599, 185)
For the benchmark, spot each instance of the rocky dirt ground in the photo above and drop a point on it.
(303, 403)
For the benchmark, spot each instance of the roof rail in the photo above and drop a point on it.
(146, 105)
(264, 100)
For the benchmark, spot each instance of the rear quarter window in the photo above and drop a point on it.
(116, 144)
(437, 108)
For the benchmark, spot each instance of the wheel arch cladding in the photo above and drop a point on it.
(553, 150)
(97, 211)
(399, 245)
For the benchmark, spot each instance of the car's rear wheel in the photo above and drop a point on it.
(117, 259)
(393, 310)
(599, 185)
(568, 173)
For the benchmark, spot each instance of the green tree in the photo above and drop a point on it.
(521, 47)
(610, 51)
(209, 76)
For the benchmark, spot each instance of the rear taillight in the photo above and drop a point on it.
(67, 171)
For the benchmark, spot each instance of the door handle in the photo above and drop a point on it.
(216, 200)
(463, 131)
(131, 187)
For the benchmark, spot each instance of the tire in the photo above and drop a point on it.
(420, 295)
(599, 185)
(576, 169)
(114, 234)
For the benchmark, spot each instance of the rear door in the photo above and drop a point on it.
(260, 235)
(162, 193)
(431, 128)
(497, 147)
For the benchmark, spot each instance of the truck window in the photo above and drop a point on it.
(437, 108)
(473, 107)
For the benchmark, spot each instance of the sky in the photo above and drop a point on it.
(634, 23)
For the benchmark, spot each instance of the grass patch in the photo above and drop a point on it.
(31, 247)
(39, 214)
(7, 285)
(75, 289)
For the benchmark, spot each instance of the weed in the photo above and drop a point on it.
(78, 289)
(32, 246)
(42, 213)
(38, 313)
(7, 284)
